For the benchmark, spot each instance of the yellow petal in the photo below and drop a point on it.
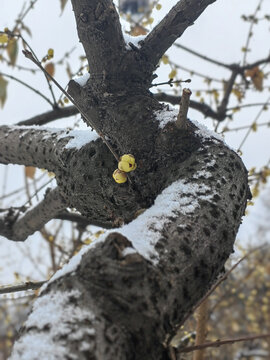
(119, 176)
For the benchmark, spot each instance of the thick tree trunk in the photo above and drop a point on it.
(129, 292)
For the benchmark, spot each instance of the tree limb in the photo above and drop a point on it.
(17, 225)
(30, 146)
(180, 17)
(29, 285)
(205, 109)
(100, 33)
(49, 116)
(82, 221)
(133, 287)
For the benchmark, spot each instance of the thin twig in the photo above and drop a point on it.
(250, 31)
(171, 81)
(28, 86)
(253, 123)
(22, 287)
(218, 342)
(201, 329)
(29, 55)
(206, 58)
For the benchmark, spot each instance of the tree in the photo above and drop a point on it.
(126, 296)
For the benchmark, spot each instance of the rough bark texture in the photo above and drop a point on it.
(136, 303)
(119, 301)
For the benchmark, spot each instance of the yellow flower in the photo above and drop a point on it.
(119, 176)
(127, 163)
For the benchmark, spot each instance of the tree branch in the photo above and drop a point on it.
(204, 57)
(49, 116)
(205, 109)
(100, 33)
(18, 225)
(133, 287)
(29, 285)
(219, 342)
(82, 221)
(180, 17)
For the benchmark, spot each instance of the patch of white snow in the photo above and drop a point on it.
(82, 80)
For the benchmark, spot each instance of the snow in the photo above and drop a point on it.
(145, 231)
(79, 138)
(128, 251)
(56, 312)
(169, 114)
(67, 268)
(134, 40)
(166, 115)
(82, 80)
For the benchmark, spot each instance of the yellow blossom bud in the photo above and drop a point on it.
(119, 176)
(3, 38)
(127, 163)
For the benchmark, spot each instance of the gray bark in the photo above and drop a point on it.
(129, 293)
(132, 303)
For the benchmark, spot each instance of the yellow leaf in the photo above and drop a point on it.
(30, 172)
(158, 6)
(172, 74)
(3, 38)
(3, 91)
(50, 68)
(12, 50)
(256, 76)
(252, 171)
(138, 30)
(165, 59)
(238, 94)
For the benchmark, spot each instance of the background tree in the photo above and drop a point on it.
(117, 92)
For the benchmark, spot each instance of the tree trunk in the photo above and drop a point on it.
(127, 294)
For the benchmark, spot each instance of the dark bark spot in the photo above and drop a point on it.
(206, 231)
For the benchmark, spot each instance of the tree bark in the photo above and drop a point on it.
(131, 299)
(127, 294)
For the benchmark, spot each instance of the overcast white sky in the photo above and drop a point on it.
(218, 33)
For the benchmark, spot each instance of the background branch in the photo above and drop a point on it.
(18, 225)
(49, 116)
(180, 17)
(205, 109)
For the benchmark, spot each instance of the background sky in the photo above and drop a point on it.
(219, 33)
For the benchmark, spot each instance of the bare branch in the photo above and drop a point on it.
(31, 146)
(100, 33)
(29, 285)
(49, 116)
(180, 17)
(17, 225)
(206, 110)
(224, 103)
(204, 57)
(28, 86)
(218, 342)
(82, 221)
